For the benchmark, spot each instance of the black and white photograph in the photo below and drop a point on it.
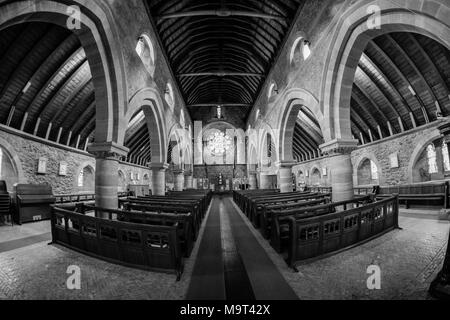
(224, 156)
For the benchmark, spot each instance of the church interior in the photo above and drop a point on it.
(224, 150)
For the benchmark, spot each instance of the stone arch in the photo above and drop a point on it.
(263, 132)
(360, 161)
(418, 150)
(176, 135)
(98, 36)
(350, 40)
(315, 175)
(292, 102)
(13, 158)
(150, 102)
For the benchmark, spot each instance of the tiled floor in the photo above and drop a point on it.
(408, 258)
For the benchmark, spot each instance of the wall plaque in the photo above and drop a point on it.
(42, 166)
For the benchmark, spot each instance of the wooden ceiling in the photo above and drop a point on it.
(221, 51)
(389, 66)
(61, 91)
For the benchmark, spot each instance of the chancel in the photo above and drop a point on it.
(224, 150)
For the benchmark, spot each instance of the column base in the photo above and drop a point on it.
(440, 287)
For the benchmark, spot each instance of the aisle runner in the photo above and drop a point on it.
(231, 264)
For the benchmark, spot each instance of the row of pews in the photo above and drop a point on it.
(306, 225)
(147, 232)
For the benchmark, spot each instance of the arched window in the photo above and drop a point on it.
(445, 156)
(81, 178)
(273, 90)
(169, 96)
(145, 51)
(431, 156)
(373, 170)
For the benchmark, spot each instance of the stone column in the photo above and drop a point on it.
(264, 180)
(159, 178)
(285, 176)
(107, 173)
(339, 152)
(252, 180)
(440, 287)
(178, 176)
(188, 180)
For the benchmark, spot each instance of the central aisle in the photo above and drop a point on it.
(231, 264)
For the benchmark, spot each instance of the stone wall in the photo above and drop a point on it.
(408, 147)
(25, 150)
(212, 172)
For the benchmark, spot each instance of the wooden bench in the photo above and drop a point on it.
(320, 189)
(252, 202)
(143, 246)
(279, 230)
(5, 202)
(195, 221)
(168, 218)
(33, 203)
(258, 205)
(426, 192)
(314, 237)
(358, 191)
(240, 196)
(74, 198)
(266, 215)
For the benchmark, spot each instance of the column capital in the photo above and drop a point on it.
(339, 147)
(159, 166)
(444, 129)
(108, 150)
(179, 171)
(286, 164)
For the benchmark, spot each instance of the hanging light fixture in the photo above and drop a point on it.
(306, 49)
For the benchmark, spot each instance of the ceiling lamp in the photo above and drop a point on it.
(306, 50)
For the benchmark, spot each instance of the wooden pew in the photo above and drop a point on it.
(166, 208)
(5, 202)
(320, 189)
(280, 228)
(74, 198)
(253, 202)
(167, 218)
(425, 192)
(240, 196)
(143, 246)
(359, 191)
(266, 215)
(313, 237)
(33, 202)
(196, 200)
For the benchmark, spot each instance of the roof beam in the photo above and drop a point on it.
(416, 69)
(221, 74)
(220, 13)
(216, 104)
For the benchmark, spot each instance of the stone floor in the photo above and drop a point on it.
(409, 259)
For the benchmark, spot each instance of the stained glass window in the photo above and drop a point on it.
(374, 170)
(431, 156)
(445, 156)
(81, 178)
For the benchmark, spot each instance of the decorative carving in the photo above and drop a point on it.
(339, 147)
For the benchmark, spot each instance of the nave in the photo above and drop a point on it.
(237, 265)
